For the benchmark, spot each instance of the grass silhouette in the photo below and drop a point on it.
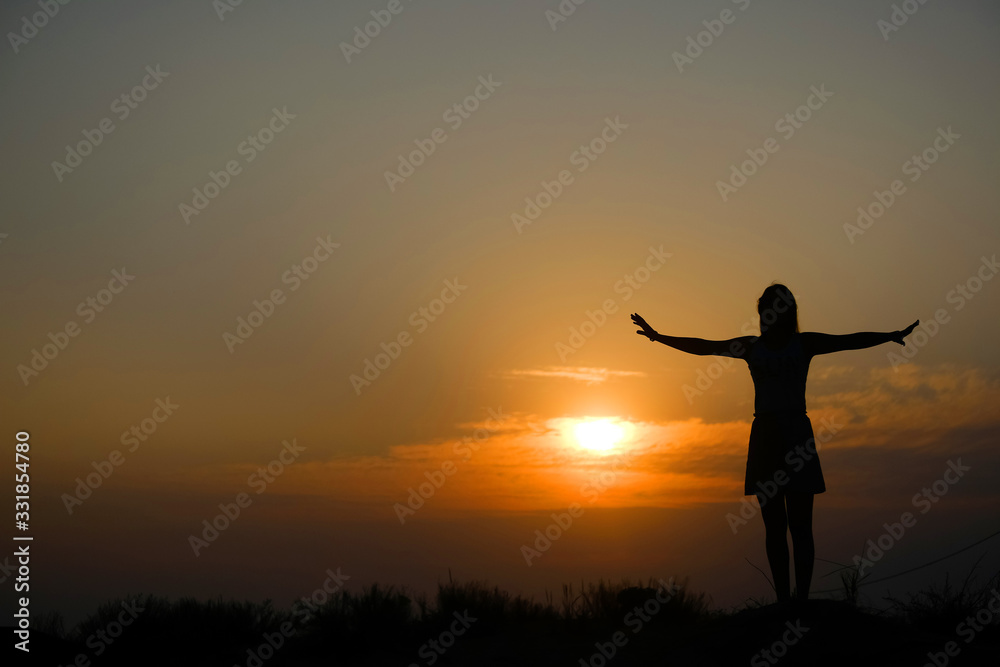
(386, 625)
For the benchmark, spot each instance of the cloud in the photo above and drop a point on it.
(893, 434)
(577, 373)
(911, 398)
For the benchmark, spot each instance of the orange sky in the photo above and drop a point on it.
(326, 269)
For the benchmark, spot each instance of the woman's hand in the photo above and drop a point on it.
(898, 336)
(645, 329)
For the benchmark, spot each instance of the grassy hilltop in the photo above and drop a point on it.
(597, 624)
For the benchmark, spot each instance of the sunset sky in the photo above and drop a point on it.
(266, 152)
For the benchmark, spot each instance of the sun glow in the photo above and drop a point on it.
(598, 435)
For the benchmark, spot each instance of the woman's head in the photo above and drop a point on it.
(777, 310)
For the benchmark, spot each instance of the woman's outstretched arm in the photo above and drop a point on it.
(821, 343)
(734, 347)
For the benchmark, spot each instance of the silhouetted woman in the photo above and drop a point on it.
(783, 468)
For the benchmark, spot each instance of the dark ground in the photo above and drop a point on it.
(385, 627)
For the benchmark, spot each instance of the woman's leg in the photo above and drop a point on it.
(800, 511)
(772, 510)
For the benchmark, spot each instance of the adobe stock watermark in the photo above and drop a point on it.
(7, 569)
(900, 14)
(420, 320)
(779, 649)
(562, 12)
(306, 607)
(697, 43)
(122, 107)
(706, 377)
(591, 491)
(258, 481)
(786, 126)
(271, 644)
(294, 276)
(581, 158)
(914, 168)
(455, 116)
(419, 496)
(432, 650)
(133, 437)
(967, 629)
(223, 7)
(88, 310)
(627, 287)
(635, 620)
(363, 35)
(796, 460)
(248, 149)
(100, 640)
(31, 24)
(924, 501)
(959, 296)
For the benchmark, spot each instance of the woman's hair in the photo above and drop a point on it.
(777, 310)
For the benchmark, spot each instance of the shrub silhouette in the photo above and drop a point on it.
(386, 625)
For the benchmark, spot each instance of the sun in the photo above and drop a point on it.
(598, 435)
